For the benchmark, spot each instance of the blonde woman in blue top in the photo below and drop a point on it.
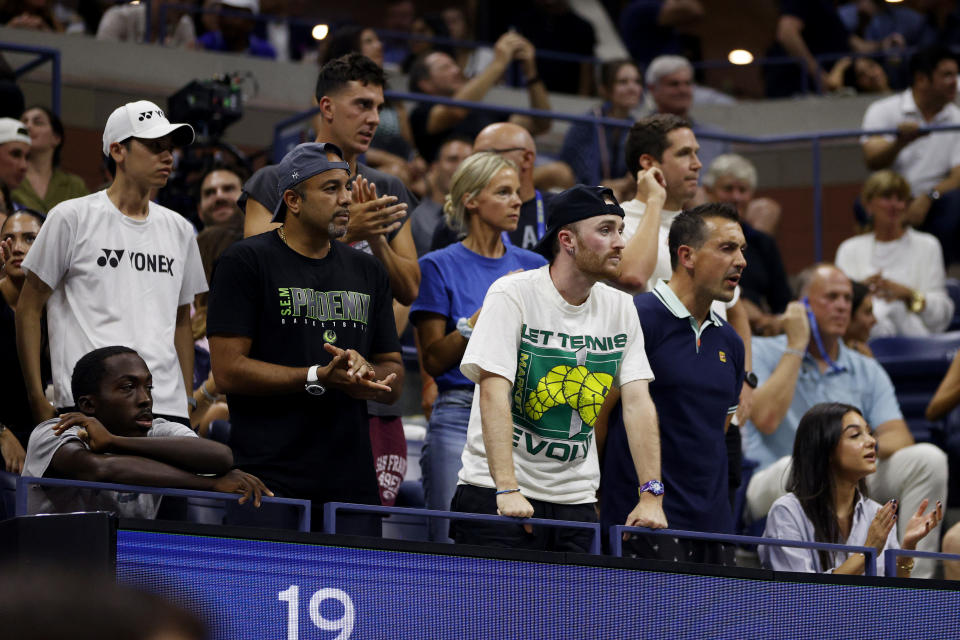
(484, 202)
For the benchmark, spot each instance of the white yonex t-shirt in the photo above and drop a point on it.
(562, 360)
(117, 281)
(633, 212)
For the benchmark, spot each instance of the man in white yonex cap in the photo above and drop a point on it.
(14, 145)
(115, 268)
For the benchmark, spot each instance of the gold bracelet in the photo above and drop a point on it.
(905, 564)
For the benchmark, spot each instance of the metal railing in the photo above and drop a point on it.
(617, 531)
(283, 140)
(44, 54)
(890, 558)
(330, 510)
(25, 482)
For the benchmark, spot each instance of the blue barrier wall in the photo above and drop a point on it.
(260, 589)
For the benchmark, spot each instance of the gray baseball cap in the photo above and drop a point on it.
(302, 163)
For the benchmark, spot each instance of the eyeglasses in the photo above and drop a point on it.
(507, 150)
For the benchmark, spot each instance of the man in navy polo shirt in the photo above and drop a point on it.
(698, 364)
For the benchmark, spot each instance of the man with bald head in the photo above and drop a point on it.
(810, 364)
(514, 142)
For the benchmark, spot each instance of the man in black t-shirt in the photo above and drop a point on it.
(301, 335)
(350, 94)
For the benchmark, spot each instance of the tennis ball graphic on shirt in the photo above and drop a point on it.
(593, 391)
(553, 382)
(573, 383)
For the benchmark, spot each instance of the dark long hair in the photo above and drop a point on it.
(811, 477)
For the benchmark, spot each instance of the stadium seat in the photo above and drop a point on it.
(916, 365)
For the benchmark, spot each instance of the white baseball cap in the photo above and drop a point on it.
(13, 131)
(252, 5)
(143, 119)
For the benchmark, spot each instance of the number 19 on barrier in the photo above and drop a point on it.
(344, 624)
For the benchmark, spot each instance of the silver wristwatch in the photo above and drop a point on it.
(312, 386)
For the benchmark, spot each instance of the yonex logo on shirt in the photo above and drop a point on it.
(151, 262)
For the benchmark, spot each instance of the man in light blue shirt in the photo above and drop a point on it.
(798, 370)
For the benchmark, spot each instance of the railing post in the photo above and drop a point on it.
(817, 201)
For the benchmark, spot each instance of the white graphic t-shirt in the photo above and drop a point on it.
(117, 281)
(562, 360)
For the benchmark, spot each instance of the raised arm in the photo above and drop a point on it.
(643, 437)
(879, 152)
(33, 297)
(948, 393)
(443, 117)
(639, 257)
(772, 399)
(790, 36)
(536, 90)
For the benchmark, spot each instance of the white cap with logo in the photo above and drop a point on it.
(13, 131)
(143, 119)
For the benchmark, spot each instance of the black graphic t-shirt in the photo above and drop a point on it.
(315, 447)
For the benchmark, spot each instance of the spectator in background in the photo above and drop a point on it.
(287, 29)
(809, 28)
(471, 60)
(17, 233)
(903, 267)
(551, 25)
(29, 14)
(890, 25)
(235, 30)
(651, 28)
(670, 83)
(114, 436)
(429, 213)
(398, 15)
(862, 319)
(860, 73)
(438, 74)
(595, 152)
(210, 403)
(943, 16)
(834, 453)
(930, 163)
(128, 23)
(797, 371)
(732, 179)
(483, 201)
(392, 145)
(14, 148)
(425, 28)
(11, 97)
(46, 184)
(220, 189)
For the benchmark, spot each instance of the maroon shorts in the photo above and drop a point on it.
(389, 455)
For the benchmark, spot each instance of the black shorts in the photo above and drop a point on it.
(472, 499)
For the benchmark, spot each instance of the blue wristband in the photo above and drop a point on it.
(500, 493)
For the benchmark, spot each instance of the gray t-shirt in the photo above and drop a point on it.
(423, 223)
(44, 444)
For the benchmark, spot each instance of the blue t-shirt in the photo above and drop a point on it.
(863, 383)
(453, 283)
(698, 376)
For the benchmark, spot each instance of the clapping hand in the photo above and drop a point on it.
(921, 524)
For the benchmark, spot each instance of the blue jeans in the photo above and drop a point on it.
(440, 455)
